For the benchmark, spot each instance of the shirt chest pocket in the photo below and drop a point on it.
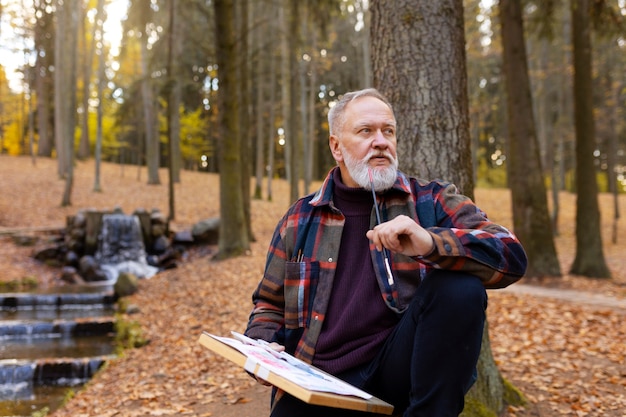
(301, 279)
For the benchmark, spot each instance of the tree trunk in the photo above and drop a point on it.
(101, 82)
(420, 66)
(42, 83)
(589, 260)
(152, 138)
(60, 87)
(244, 69)
(67, 120)
(531, 219)
(87, 61)
(289, 96)
(259, 81)
(427, 85)
(176, 89)
(173, 121)
(271, 122)
(233, 238)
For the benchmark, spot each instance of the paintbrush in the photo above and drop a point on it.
(378, 221)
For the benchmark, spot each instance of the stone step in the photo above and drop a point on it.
(37, 329)
(57, 347)
(52, 314)
(49, 371)
(42, 301)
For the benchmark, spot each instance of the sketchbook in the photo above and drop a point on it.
(292, 375)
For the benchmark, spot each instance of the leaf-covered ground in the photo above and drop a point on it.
(568, 357)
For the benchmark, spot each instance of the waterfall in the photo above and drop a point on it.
(121, 247)
(16, 378)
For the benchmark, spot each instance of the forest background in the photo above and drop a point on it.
(161, 100)
(146, 84)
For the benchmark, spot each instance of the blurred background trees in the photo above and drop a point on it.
(137, 83)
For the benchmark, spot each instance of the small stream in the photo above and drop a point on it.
(51, 342)
(54, 341)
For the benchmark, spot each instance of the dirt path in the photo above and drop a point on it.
(573, 296)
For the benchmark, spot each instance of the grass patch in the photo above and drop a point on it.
(128, 334)
(23, 284)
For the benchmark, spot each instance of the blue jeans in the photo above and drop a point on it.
(429, 362)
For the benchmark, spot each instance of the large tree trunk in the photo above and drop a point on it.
(420, 66)
(531, 219)
(589, 260)
(233, 238)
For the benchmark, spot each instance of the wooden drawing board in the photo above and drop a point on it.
(372, 404)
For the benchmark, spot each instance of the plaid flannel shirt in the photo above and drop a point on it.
(292, 297)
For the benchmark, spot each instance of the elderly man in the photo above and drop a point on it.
(379, 278)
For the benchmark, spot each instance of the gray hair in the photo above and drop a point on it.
(337, 112)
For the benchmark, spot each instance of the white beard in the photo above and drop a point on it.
(383, 178)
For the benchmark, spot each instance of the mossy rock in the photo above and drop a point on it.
(126, 284)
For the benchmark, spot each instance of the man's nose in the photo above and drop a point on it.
(379, 140)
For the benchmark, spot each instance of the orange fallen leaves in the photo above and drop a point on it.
(568, 358)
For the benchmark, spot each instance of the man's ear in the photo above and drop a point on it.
(335, 149)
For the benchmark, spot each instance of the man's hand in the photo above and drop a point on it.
(278, 348)
(402, 235)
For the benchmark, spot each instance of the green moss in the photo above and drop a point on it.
(513, 396)
(474, 408)
(128, 334)
(40, 413)
(30, 282)
(23, 284)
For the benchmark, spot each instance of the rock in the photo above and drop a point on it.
(90, 270)
(53, 256)
(24, 240)
(158, 230)
(183, 236)
(160, 245)
(157, 217)
(126, 284)
(71, 258)
(206, 231)
(70, 275)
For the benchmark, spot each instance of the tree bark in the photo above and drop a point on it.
(245, 76)
(42, 81)
(60, 87)
(233, 238)
(147, 95)
(589, 260)
(421, 68)
(531, 219)
(87, 58)
(418, 61)
(289, 79)
(100, 17)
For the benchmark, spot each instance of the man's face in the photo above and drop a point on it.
(366, 141)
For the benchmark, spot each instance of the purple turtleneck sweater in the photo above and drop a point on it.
(357, 321)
